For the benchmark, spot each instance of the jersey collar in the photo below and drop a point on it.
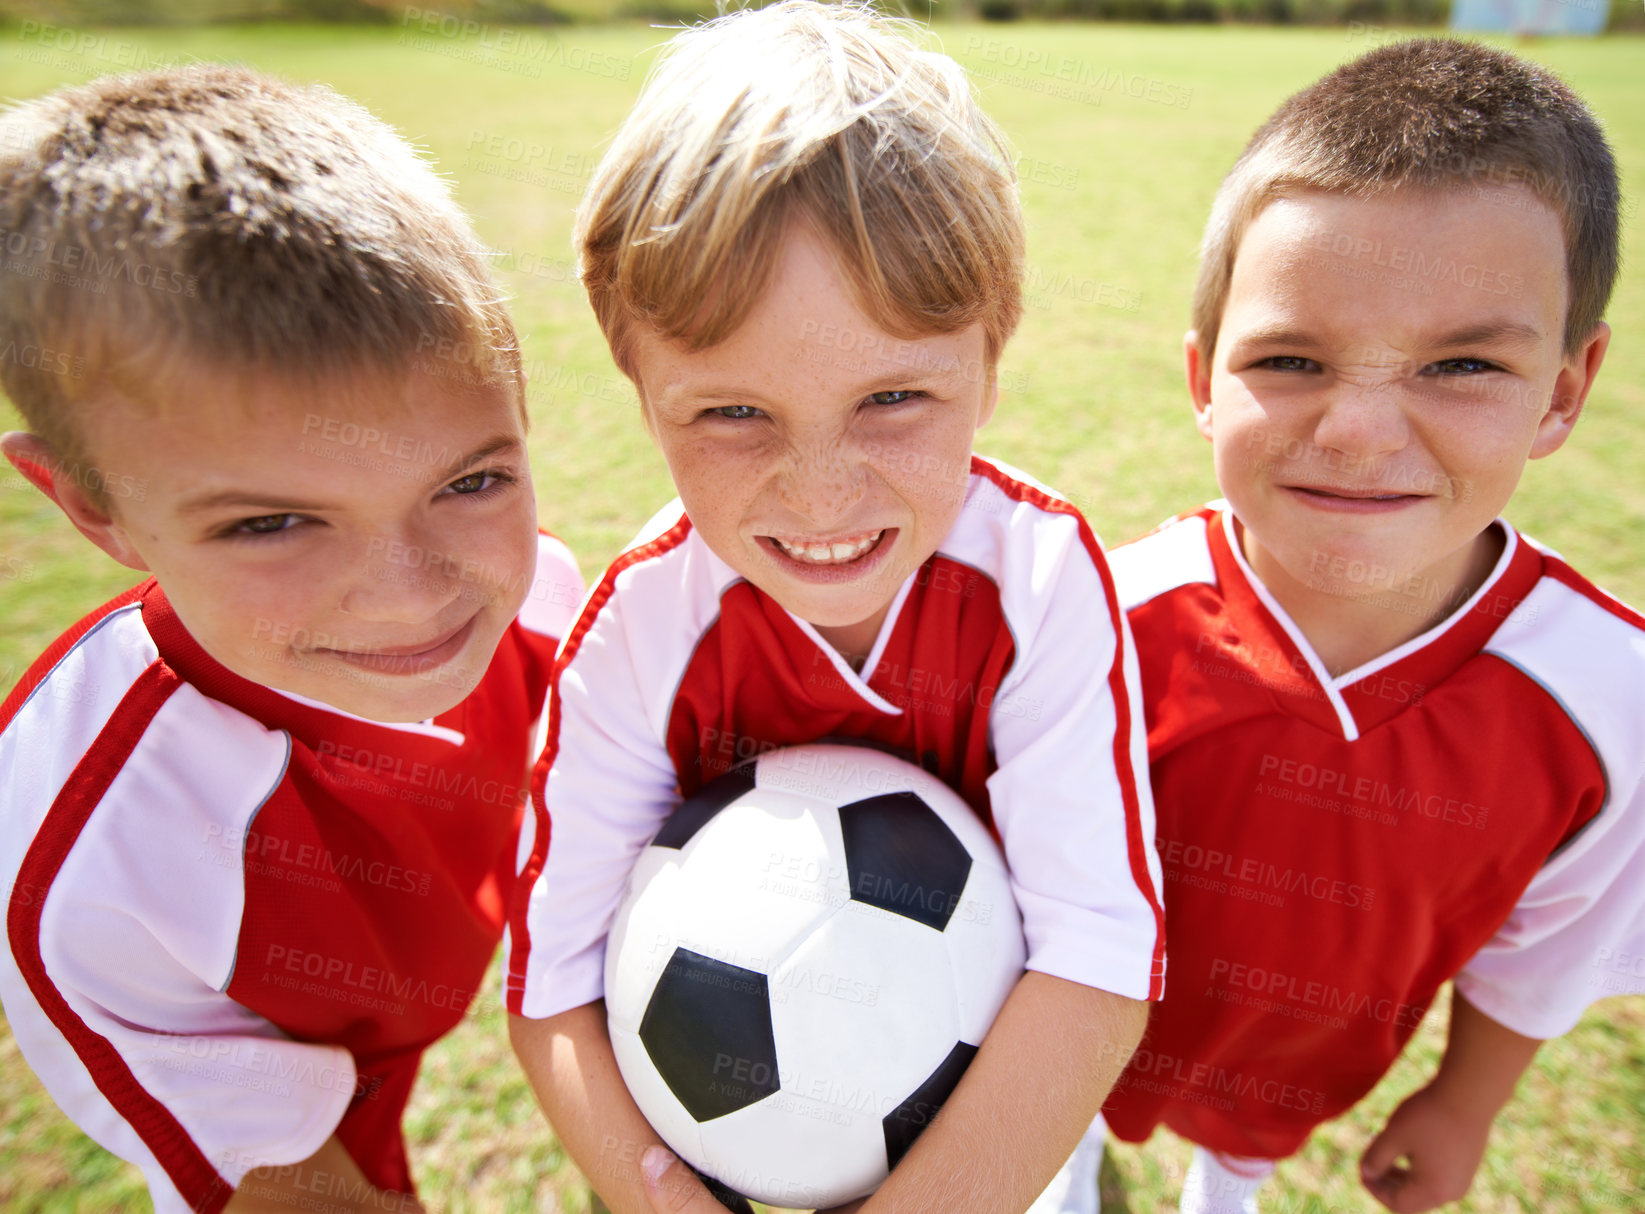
(1379, 690)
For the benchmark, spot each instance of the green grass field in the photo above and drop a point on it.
(1122, 143)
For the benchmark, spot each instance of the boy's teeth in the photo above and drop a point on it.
(836, 552)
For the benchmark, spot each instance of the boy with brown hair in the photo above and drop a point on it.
(805, 248)
(257, 814)
(1392, 741)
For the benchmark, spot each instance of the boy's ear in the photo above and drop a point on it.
(29, 454)
(1570, 393)
(40, 464)
(1197, 365)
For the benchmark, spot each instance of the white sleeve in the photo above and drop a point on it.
(1071, 796)
(125, 913)
(610, 785)
(1577, 933)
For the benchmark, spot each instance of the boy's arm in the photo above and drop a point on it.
(1072, 805)
(1042, 1073)
(1040, 1077)
(1552, 957)
(569, 1061)
(1441, 1129)
(604, 786)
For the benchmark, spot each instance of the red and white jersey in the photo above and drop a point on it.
(1470, 804)
(1003, 666)
(235, 918)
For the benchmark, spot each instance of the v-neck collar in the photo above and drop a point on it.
(861, 683)
(1376, 691)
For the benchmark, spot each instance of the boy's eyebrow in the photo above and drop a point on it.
(933, 371)
(1488, 333)
(502, 442)
(239, 498)
(1491, 332)
(1275, 335)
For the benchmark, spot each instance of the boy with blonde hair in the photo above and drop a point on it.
(805, 249)
(1392, 740)
(257, 814)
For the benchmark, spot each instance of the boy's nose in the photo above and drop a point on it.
(823, 486)
(400, 581)
(1364, 419)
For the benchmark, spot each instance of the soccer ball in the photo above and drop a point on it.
(809, 954)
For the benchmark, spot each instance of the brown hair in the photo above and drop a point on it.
(823, 111)
(1429, 113)
(210, 213)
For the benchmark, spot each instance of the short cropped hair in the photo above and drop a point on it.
(1429, 113)
(213, 214)
(825, 113)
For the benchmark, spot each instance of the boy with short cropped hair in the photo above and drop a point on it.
(805, 248)
(257, 814)
(1392, 741)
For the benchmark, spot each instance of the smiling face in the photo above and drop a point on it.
(364, 544)
(820, 457)
(1384, 369)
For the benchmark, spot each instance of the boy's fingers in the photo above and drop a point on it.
(1381, 1172)
(674, 1189)
(1379, 1157)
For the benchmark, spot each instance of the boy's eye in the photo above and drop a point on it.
(736, 413)
(266, 524)
(1459, 366)
(479, 482)
(1288, 362)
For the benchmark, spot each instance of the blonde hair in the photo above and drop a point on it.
(212, 214)
(1431, 113)
(826, 112)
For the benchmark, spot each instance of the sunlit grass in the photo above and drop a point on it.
(1115, 186)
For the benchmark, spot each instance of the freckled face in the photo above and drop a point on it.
(820, 457)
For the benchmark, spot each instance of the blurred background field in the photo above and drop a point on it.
(1123, 132)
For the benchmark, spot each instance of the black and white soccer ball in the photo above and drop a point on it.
(809, 954)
